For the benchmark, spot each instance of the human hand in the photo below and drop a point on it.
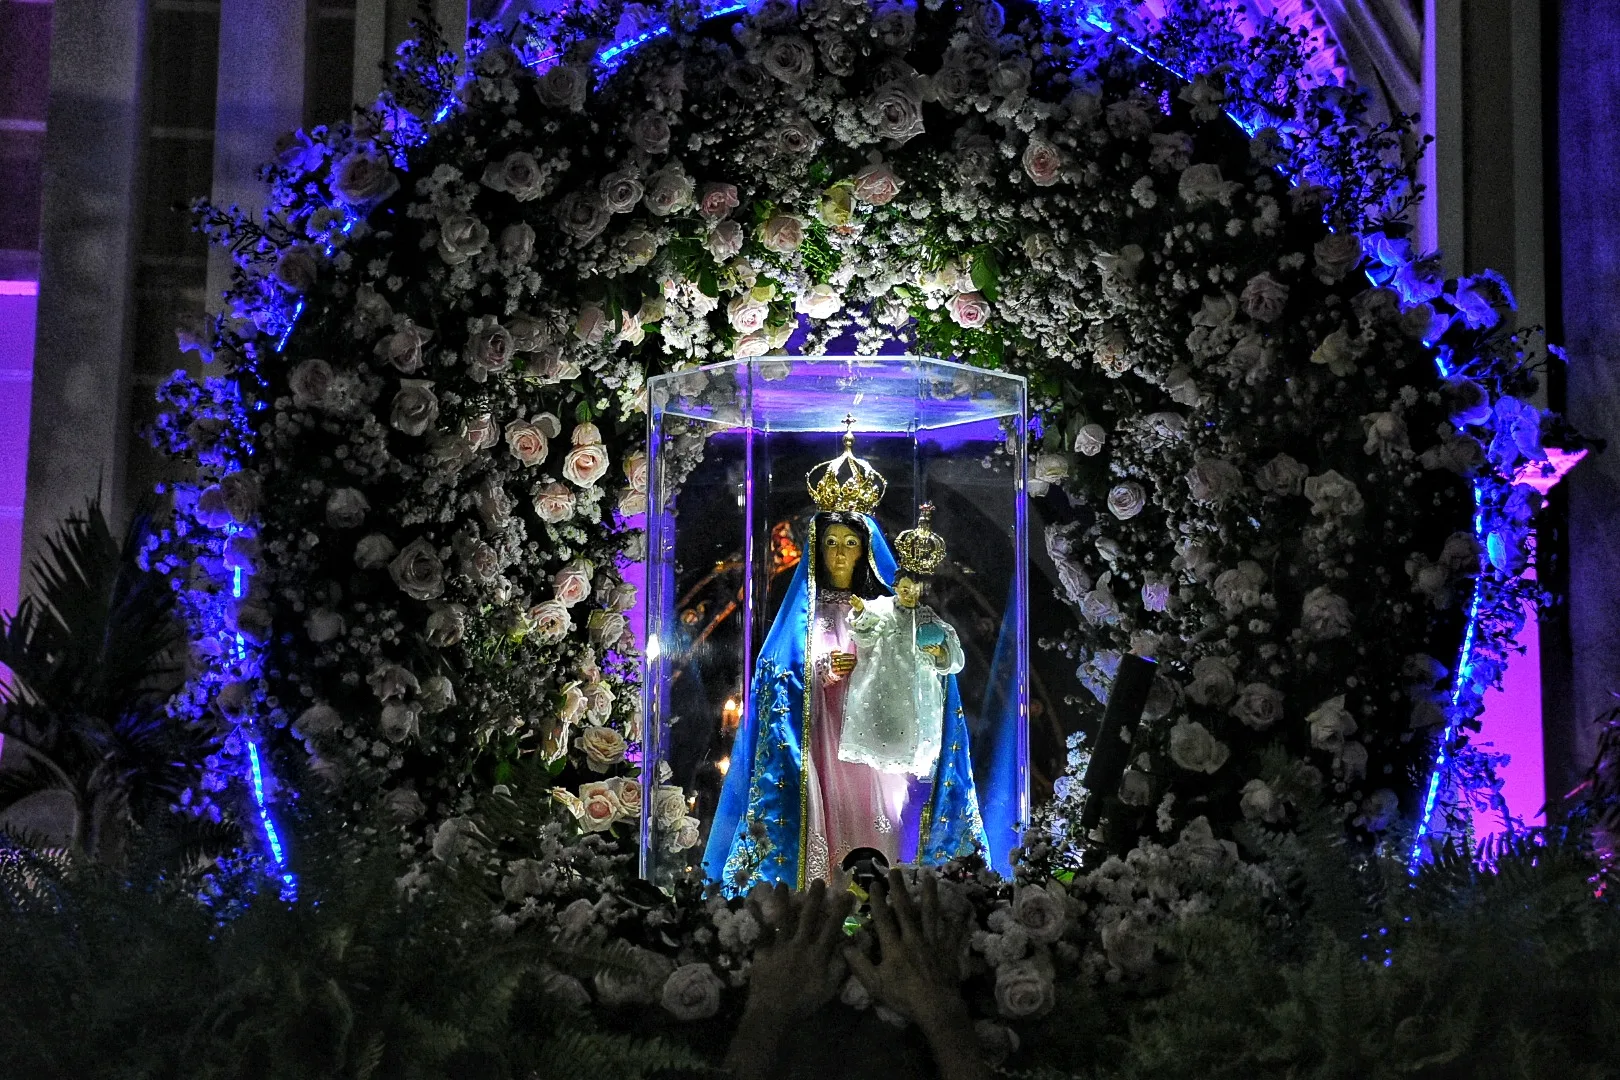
(918, 975)
(842, 663)
(799, 936)
(796, 968)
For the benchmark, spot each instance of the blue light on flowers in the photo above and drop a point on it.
(298, 309)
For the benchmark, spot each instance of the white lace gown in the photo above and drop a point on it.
(894, 711)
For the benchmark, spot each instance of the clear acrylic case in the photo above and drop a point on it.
(741, 778)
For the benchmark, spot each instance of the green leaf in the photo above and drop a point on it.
(582, 412)
(708, 285)
(986, 272)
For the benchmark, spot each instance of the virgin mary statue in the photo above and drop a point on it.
(791, 808)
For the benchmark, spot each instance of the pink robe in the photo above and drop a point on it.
(850, 805)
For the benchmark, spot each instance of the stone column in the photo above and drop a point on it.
(260, 95)
(80, 400)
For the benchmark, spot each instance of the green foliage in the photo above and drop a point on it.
(357, 978)
(93, 652)
(1462, 971)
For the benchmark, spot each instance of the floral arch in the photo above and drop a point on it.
(1276, 451)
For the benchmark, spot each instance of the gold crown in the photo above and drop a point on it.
(919, 551)
(858, 493)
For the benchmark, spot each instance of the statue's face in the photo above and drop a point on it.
(841, 551)
(907, 591)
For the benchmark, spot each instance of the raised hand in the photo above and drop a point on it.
(796, 970)
(917, 975)
(842, 663)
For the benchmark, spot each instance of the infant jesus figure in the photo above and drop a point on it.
(895, 710)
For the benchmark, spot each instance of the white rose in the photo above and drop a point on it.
(1258, 706)
(311, 383)
(820, 302)
(403, 349)
(415, 407)
(418, 571)
(876, 184)
(1331, 724)
(1332, 495)
(518, 174)
(438, 694)
(391, 681)
(724, 240)
(1126, 500)
(1282, 475)
(1041, 912)
(649, 133)
(1193, 748)
(346, 508)
(1090, 440)
(684, 836)
(461, 236)
(692, 992)
(668, 806)
(603, 746)
(296, 269)
(1259, 803)
(400, 721)
(668, 190)
(517, 242)
(563, 87)
(323, 625)
(1022, 989)
(1264, 298)
(551, 620)
(895, 111)
(583, 215)
(599, 700)
(446, 626)
(363, 179)
(1336, 255)
(1337, 353)
(489, 348)
(1212, 681)
(1324, 615)
(318, 720)
(374, 552)
(1203, 183)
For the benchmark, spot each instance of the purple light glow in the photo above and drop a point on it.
(1511, 725)
(18, 300)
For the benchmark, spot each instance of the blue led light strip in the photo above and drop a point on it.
(1462, 679)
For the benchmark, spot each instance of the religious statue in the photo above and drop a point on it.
(792, 806)
(895, 713)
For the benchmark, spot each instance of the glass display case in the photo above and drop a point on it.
(836, 657)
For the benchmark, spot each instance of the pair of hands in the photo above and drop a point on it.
(797, 966)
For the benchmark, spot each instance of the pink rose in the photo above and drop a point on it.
(876, 184)
(668, 190)
(1043, 162)
(599, 700)
(572, 583)
(415, 407)
(1336, 255)
(969, 310)
(554, 503)
(649, 133)
(747, 314)
(518, 175)
(461, 236)
(635, 471)
(716, 201)
(600, 804)
(526, 441)
(417, 571)
(582, 215)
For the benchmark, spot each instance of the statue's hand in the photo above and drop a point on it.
(937, 652)
(842, 663)
(858, 604)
